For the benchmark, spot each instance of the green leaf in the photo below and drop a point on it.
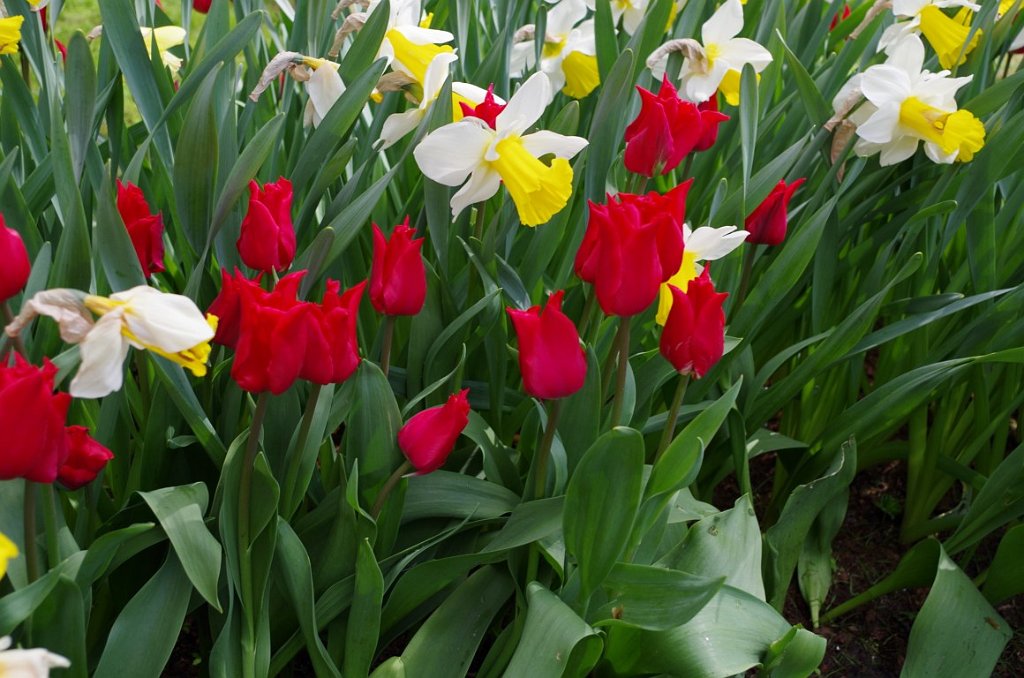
(364, 618)
(144, 634)
(373, 423)
(654, 598)
(195, 165)
(555, 642)
(73, 251)
(1003, 579)
(608, 124)
(1000, 501)
(360, 54)
(601, 502)
(448, 640)
(80, 98)
(454, 495)
(181, 512)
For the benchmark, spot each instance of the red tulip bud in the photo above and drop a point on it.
(663, 133)
(694, 335)
(487, 110)
(15, 266)
(86, 458)
(32, 420)
(267, 239)
(202, 6)
(146, 230)
(767, 223)
(428, 438)
(398, 281)
(551, 359)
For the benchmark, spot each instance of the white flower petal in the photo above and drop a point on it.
(544, 142)
(937, 155)
(398, 125)
(482, 184)
(437, 73)
(63, 305)
(522, 59)
(34, 663)
(170, 322)
(899, 150)
(740, 51)
(880, 128)
(449, 154)
(725, 23)
(907, 54)
(424, 36)
(699, 87)
(526, 105)
(103, 352)
(563, 16)
(472, 92)
(324, 88)
(885, 84)
(908, 7)
(710, 243)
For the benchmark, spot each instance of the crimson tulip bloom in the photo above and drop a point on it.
(336, 323)
(146, 230)
(767, 223)
(694, 336)
(710, 119)
(202, 6)
(551, 359)
(843, 16)
(631, 246)
(15, 266)
(267, 239)
(86, 458)
(429, 437)
(398, 281)
(487, 110)
(663, 133)
(228, 306)
(32, 420)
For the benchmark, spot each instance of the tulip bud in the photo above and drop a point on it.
(146, 230)
(428, 438)
(631, 246)
(551, 359)
(14, 263)
(694, 336)
(202, 6)
(839, 16)
(398, 281)
(710, 119)
(663, 133)
(267, 239)
(32, 420)
(86, 458)
(767, 223)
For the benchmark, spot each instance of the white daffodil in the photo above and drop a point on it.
(912, 105)
(166, 37)
(569, 54)
(488, 155)
(324, 88)
(409, 43)
(28, 663)
(947, 35)
(169, 325)
(715, 63)
(632, 12)
(704, 244)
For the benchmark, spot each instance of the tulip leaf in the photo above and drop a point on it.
(454, 495)
(555, 641)
(366, 44)
(654, 598)
(59, 626)
(372, 428)
(608, 124)
(601, 502)
(365, 615)
(1003, 579)
(196, 165)
(120, 262)
(73, 246)
(80, 79)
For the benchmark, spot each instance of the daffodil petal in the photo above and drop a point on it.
(526, 105)
(482, 184)
(102, 352)
(544, 142)
(725, 23)
(449, 154)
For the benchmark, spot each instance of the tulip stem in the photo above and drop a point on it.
(673, 413)
(244, 538)
(748, 269)
(622, 344)
(587, 316)
(19, 345)
(31, 555)
(385, 347)
(543, 454)
(389, 485)
(50, 523)
(295, 458)
(478, 226)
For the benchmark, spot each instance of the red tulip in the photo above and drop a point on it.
(428, 438)
(62, 49)
(694, 335)
(767, 223)
(665, 131)
(710, 119)
(15, 266)
(631, 246)
(202, 6)
(32, 421)
(839, 17)
(228, 306)
(551, 359)
(146, 230)
(398, 281)
(86, 458)
(336, 322)
(267, 239)
(487, 110)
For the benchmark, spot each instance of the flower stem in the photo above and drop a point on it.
(19, 345)
(385, 347)
(244, 538)
(543, 454)
(748, 268)
(673, 413)
(31, 555)
(295, 458)
(389, 485)
(622, 343)
(587, 316)
(478, 226)
(50, 522)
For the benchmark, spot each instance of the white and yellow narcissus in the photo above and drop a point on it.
(569, 53)
(28, 663)
(398, 125)
(704, 244)
(716, 62)
(949, 36)
(324, 87)
(169, 325)
(487, 156)
(409, 43)
(908, 105)
(166, 37)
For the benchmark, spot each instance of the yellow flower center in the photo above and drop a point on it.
(957, 131)
(581, 74)
(687, 272)
(711, 52)
(10, 34)
(552, 48)
(414, 57)
(539, 191)
(427, 20)
(948, 35)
